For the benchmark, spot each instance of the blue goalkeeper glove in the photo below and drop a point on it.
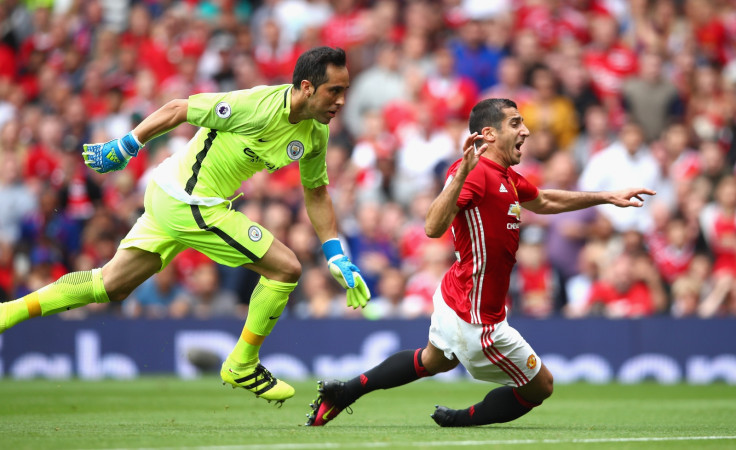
(346, 273)
(112, 155)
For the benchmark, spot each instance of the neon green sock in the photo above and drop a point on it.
(72, 291)
(266, 305)
(13, 313)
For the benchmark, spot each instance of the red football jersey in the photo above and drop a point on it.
(486, 234)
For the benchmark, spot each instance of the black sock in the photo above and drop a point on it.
(500, 405)
(396, 370)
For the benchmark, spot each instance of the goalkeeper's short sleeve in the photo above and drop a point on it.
(243, 112)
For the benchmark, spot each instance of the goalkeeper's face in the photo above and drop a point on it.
(329, 97)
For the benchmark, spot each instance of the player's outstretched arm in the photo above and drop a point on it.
(444, 208)
(115, 154)
(553, 201)
(322, 215)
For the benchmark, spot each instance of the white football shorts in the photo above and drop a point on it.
(495, 353)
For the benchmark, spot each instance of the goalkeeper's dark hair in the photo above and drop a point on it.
(312, 65)
(489, 113)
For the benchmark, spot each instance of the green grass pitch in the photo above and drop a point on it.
(164, 412)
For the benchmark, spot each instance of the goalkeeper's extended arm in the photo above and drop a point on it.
(115, 154)
(346, 273)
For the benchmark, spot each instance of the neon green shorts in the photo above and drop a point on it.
(169, 226)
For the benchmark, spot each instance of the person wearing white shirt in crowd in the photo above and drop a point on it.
(626, 162)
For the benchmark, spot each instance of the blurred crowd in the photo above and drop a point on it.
(616, 93)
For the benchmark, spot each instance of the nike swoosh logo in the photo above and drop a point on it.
(324, 416)
(262, 140)
(274, 318)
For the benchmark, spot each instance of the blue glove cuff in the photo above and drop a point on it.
(130, 144)
(332, 248)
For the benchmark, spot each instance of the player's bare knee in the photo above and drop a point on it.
(290, 271)
(117, 295)
(545, 385)
(444, 366)
(436, 362)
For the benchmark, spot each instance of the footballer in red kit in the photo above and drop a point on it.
(481, 204)
(487, 227)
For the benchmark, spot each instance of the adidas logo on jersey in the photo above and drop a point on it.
(503, 188)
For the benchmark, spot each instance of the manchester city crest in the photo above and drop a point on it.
(254, 233)
(295, 150)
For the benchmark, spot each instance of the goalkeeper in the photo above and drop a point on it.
(186, 205)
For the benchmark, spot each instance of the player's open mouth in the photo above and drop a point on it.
(332, 114)
(518, 145)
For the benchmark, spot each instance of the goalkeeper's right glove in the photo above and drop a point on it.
(347, 274)
(112, 155)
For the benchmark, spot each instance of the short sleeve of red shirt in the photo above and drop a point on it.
(473, 188)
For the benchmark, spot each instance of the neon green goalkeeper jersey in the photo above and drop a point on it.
(242, 132)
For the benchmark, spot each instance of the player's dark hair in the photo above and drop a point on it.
(489, 113)
(312, 65)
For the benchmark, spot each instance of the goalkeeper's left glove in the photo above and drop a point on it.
(112, 155)
(346, 273)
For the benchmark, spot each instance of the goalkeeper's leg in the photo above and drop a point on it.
(397, 370)
(122, 274)
(280, 270)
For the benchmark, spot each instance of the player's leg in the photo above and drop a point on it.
(231, 238)
(500, 356)
(397, 370)
(501, 405)
(115, 281)
(279, 269)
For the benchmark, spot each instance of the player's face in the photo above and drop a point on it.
(329, 97)
(511, 136)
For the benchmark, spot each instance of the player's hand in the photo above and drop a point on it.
(346, 273)
(472, 152)
(630, 197)
(112, 155)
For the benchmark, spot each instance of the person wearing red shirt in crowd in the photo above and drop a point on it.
(609, 61)
(274, 56)
(718, 222)
(8, 62)
(481, 202)
(708, 30)
(630, 288)
(41, 160)
(553, 22)
(448, 94)
(345, 29)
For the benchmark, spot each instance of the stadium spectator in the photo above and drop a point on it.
(609, 61)
(535, 289)
(17, 200)
(511, 82)
(375, 87)
(159, 296)
(650, 99)
(391, 301)
(629, 287)
(628, 161)
(474, 59)
(206, 299)
(718, 222)
(371, 248)
(446, 94)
